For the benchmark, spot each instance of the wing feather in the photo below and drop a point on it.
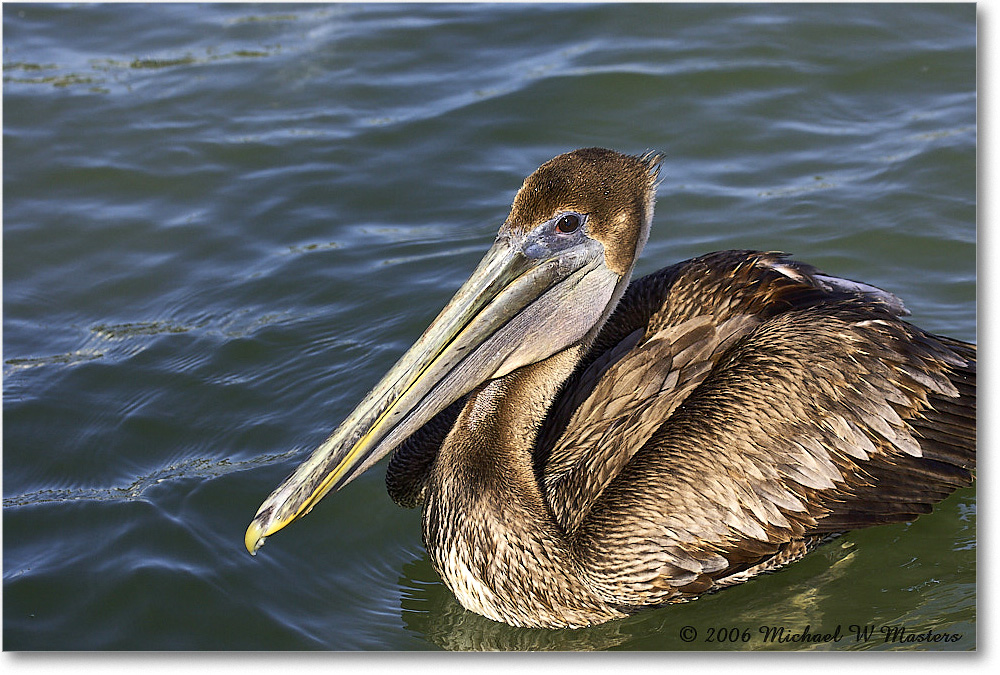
(778, 401)
(764, 408)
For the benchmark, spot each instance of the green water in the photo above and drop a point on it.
(222, 223)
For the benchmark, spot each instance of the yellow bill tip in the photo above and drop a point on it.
(255, 537)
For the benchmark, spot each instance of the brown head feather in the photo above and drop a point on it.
(613, 190)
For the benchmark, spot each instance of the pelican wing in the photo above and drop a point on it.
(767, 449)
(668, 333)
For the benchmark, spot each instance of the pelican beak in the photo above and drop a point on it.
(511, 312)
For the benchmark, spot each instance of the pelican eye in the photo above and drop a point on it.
(569, 223)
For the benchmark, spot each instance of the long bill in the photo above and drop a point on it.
(511, 312)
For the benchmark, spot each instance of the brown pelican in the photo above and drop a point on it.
(584, 447)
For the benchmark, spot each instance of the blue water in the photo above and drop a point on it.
(222, 223)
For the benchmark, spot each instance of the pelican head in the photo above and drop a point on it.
(558, 267)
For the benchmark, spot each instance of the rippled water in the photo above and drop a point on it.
(221, 224)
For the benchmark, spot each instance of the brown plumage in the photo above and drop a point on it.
(712, 421)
